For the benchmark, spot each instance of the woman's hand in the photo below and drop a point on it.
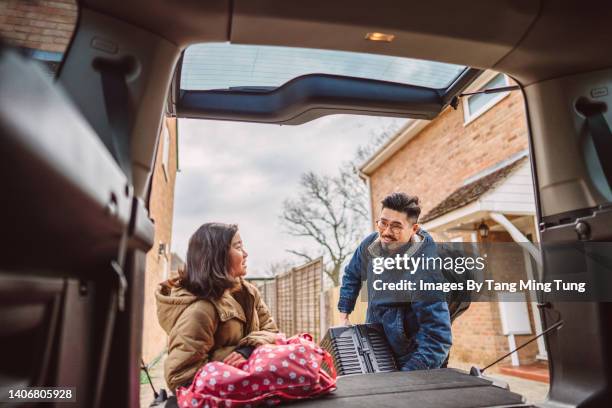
(234, 359)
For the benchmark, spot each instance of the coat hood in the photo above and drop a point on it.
(172, 300)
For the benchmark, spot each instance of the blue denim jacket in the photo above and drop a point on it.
(418, 331)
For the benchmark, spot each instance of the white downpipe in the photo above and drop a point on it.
(518, 236)
(512, 345)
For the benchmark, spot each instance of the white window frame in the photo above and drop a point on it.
(469, 117)
(165, 149)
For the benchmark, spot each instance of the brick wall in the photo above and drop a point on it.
(161, 208)
(38, 24)
(477, 334)
(436, 161)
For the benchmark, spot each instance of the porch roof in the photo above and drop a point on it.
(472, 191)
(507, 189)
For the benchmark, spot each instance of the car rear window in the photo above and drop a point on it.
(223, 65)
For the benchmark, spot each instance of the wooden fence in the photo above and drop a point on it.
(294, 298)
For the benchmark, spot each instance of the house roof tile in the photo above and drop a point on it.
(471, 192)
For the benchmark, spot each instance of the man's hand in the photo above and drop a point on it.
(344, 319)
(234, 359)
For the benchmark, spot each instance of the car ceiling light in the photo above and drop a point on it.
(380, 37)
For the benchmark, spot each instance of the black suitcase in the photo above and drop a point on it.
(359, 349)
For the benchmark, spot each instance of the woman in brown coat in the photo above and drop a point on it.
(210, 312)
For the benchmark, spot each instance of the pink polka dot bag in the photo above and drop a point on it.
(288, 370)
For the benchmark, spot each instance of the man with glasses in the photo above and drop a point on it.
(418, 328)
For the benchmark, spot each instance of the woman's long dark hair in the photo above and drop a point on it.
(206, 271)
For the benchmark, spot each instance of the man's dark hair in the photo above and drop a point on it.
(404, 203)
(206, 274)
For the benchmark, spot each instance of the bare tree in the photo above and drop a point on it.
(333, 211)
(351, 186)
(377, 139)
(330, 211)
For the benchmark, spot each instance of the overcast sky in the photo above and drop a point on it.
(241, 173)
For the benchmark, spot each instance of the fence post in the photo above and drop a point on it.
(278, 318)
(276, 300)
(293, 303)
(322, 315)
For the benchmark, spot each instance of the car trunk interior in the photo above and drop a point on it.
(79, 174)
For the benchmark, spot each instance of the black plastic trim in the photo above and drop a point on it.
(460, 84)
(311, 96)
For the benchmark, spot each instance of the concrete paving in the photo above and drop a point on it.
(533, 391)
(157, 378)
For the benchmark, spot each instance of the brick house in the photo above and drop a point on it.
(42, 30)
(161, 262)
(176, 264)
(469, 166)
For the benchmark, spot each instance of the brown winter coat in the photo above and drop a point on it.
(200, 330)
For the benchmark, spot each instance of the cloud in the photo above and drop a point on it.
(241, 173)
